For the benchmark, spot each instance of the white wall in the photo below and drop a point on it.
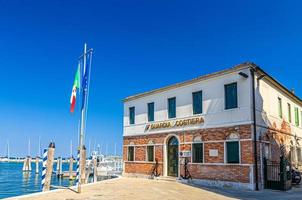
(213, 105)
(267, 107)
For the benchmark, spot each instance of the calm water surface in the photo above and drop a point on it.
(14, 182)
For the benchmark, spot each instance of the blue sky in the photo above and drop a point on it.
(138, 46)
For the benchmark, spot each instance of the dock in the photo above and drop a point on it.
(129, 189)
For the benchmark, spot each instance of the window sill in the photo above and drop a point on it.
(142, 161)
(224, 164)
(231, 109)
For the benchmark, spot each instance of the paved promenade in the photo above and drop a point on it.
(144, 189)
(131, 189)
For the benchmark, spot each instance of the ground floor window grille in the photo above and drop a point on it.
(232, 151)
(292, 154)
(150, 153)
(299, 155)
(197, 156)
(130, 153)
(267, 151)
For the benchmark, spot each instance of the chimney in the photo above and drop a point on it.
(293, 90)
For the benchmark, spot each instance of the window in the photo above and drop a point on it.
(150, 153)
(280, 107)
(130, 153)
(232, 151)
(289, 113)
(292, 154)
(151, 112)
(230, 95)
(297, 121)
(197, 152)
(197, 102)
(267, 151)
(299, 154)
(172, 107)
(132, 115)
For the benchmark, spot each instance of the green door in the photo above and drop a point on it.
(173, 157)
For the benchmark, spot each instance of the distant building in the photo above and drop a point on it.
(209, 121)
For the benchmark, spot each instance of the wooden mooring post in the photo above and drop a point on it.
(83, 165)
(27, 164)
(95, 177)
(59, 167)
(49, 166)
(37, 165)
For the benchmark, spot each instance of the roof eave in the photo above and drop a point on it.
(189, 82)
(277, 84)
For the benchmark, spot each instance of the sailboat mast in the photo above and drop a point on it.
(7, 146)
(28, 147)
(106, 150)
(89, 148)
(39, 150)
(71, 149)
(115, 149)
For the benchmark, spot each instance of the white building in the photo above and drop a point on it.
(210, 121)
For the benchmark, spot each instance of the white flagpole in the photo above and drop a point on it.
(84, 108)
(82, 123)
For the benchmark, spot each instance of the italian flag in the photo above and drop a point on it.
(76, 85)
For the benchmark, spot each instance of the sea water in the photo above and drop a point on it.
(14, 182)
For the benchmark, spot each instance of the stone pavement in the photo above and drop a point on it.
(144, 189)
(294, 194)
(131, 189)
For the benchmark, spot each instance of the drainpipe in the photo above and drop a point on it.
(254, 124)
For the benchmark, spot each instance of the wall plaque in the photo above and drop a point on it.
(185, 154)
(213, 152)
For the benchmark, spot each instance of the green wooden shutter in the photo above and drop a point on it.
(150, 153)
(172, 107)
(132, 115)
(151, 112)
(230, 91)
(130, 153)
(280, 107)
(198, 153)
(232, 152)
(197, 102)
(289, 113)
(297, 121)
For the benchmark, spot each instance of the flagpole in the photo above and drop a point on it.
(82, 125)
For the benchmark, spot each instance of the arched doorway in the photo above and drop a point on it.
(172, 154)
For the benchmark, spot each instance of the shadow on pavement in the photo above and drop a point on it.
(295, 193)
